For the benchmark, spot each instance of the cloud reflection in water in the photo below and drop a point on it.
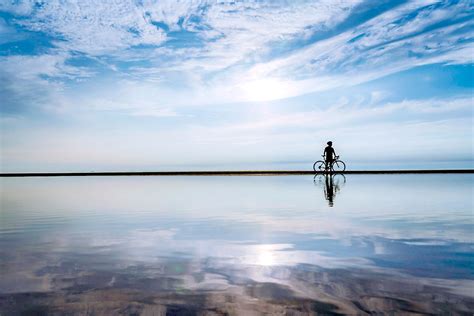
(237, 244)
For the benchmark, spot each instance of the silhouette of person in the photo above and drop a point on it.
(329, 154)
(330, 190)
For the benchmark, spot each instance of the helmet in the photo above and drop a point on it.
(329, 143)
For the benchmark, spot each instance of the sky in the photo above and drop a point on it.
(174, 85)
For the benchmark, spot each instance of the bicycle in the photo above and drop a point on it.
(335, 166)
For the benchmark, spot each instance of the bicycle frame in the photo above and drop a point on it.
(335, 165)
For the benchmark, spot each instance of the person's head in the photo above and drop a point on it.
(329, 143)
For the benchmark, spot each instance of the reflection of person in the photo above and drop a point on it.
(329, 154)
(330, 191)
(331, 185)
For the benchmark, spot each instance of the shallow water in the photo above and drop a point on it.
(261, 244)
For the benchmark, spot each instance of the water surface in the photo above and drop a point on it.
(237, 245)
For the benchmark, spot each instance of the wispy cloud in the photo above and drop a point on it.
(249, 42)
(92, 27)
(35, 83)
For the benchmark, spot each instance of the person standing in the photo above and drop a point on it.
(329, 155)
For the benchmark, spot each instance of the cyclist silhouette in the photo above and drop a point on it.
(331, 162)
(329, 154)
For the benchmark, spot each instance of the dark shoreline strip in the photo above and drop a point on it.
(221, 173)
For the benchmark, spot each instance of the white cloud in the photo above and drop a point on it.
(233, 30)
(27, 67)
(21, 8)
(92, 27)
(384, 47)
(241, 42)
(36, 83)
(388, 44)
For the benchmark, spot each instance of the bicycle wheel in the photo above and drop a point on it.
(319, 166)
(318, 178)
(338, 166)
(339, 179)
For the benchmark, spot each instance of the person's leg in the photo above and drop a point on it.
(329, 164)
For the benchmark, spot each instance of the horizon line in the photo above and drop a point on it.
(226, 173)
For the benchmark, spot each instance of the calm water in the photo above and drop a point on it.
(237, 245)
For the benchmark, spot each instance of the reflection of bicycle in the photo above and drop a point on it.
(335, 166)
(331, 183)
(339, 179)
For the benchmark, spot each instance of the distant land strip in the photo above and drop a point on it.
(221, 173)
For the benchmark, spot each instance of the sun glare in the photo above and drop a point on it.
(266, 258)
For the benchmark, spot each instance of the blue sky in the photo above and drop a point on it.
(154, 85)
